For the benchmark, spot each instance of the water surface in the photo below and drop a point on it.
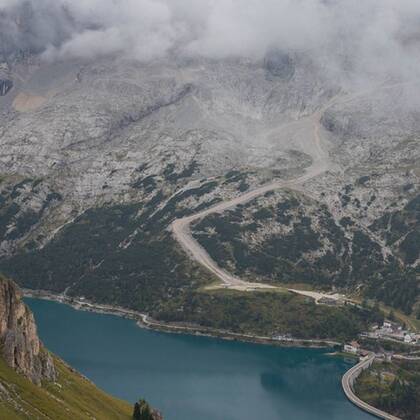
(196, 378)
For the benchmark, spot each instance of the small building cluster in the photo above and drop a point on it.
(394, 331)
(389, 330)
(284, 337)
(354, 348)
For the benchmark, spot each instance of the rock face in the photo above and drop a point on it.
(5, 86)
(21, 347)
(143, 411)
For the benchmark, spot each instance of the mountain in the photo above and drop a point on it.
(36, 384)
(99, 156)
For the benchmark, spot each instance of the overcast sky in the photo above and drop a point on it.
(366, 36)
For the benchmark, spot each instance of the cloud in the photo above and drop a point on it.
(364, 37)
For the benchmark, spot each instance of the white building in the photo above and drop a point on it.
(353, 347)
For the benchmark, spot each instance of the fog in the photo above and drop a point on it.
(363, 37)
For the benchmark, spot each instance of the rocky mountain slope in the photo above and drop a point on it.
(98, 157)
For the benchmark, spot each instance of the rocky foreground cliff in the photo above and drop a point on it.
(36, 384)
(20, 345)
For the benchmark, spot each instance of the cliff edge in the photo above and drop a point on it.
(36, 384)
(19, 343)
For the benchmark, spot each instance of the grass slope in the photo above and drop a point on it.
(71, 397)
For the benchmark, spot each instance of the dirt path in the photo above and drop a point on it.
(181, 227)
(320, 164)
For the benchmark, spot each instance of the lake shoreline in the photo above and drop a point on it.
(144, 321)
(177, 372)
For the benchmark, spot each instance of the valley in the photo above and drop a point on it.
(180, 372)
(165, 187)
(248, 172)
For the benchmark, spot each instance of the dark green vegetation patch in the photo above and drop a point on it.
(392, 387)
(309, 246)
(110, 256)
(402, 229)
(271, 313)
(122, 255)
(18, 214)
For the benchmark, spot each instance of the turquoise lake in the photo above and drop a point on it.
(196, 378)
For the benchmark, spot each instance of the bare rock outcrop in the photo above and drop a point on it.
(19, 342)
(143, 411)
(5, 86)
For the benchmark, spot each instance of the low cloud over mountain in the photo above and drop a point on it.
(363, 38)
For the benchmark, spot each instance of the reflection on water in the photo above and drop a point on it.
(190, 377)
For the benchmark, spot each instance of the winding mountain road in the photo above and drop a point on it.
(181, 227)
(320, 164)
